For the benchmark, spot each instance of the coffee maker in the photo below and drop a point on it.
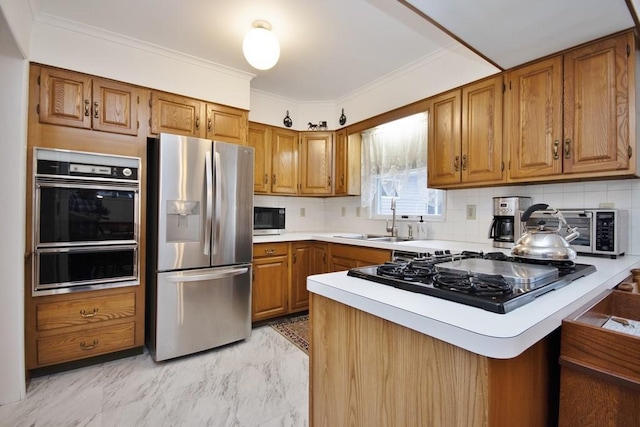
(505, 228)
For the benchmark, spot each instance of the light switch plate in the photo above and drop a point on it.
(471, 211)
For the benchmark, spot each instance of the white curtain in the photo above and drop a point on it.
(389, 152)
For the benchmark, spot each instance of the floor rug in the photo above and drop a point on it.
(296, 330)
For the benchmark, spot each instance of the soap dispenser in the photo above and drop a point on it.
(421, 229)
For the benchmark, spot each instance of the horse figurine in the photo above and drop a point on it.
(313, 126)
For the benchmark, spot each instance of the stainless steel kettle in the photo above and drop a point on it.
(544, 244)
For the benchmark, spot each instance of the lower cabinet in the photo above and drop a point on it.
(345, 257)
(270, 280)
(600, 374)
(301, 267)
(71, 327)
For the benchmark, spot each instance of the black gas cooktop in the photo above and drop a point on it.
(436, 275)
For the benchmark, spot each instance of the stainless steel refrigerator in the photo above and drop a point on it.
(199, 244)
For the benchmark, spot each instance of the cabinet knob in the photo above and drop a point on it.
(197, 123)
(86, 107)
(95, 109)
(456, 164)
(567, 148)
(464, 162)
(266, 178)
(209, 124)
(555, 149)
(274, 179)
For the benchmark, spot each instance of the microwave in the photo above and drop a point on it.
(268, 220)
(603, 232)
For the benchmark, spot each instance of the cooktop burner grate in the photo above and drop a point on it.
(492, 292)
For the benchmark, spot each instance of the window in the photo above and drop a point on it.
(394, 165)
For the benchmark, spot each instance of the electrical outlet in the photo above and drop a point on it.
(609, 205)
(358, 211)
(302, 212)
(471, 211)
(344, 211)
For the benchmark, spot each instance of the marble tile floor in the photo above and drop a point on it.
(261, 381)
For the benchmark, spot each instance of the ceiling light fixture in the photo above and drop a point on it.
(260, 46)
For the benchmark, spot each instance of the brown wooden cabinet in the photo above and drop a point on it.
(316, 163)
(600, 374)
(259, 137)
(301, 267)
(276, 159)
(226, 124)
(77, 100)
(344, 257)
(347, 158)
(66, 328)
(186, 116)
(319, 258)
(569, 116)
(270, 280)
(465, 136)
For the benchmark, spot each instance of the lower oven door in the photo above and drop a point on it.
(62, 270)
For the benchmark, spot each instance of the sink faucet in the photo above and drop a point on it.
(393, 229)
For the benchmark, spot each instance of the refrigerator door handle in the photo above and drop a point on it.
(187, 277)
(209, 204)
(218, 207)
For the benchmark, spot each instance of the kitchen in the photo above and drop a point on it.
(619, 192)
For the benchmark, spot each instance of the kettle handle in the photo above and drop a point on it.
(537, 207)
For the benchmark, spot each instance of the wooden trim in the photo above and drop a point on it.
(599, 373)
(450, 33)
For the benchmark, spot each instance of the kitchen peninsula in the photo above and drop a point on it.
(384, 356)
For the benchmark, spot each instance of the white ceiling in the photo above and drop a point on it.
(331, 48)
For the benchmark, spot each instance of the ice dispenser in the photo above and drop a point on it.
(183, 221)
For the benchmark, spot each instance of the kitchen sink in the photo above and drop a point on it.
(372, 237)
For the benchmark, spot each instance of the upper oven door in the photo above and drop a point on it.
(68, 214)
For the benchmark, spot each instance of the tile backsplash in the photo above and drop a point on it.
(343, 214)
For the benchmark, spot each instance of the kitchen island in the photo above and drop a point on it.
(384, 356)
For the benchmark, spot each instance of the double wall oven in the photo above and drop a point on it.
(86, 213)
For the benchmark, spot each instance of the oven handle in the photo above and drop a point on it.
(209, 202)
(218, 207)
(220, 274)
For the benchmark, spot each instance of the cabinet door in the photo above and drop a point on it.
(444, 155)
(284, 163)
(534, 111)
(481, 147)
(269, 290)
(596, 106)
(226, 124)
(176, 114)
(65, 98)
(319, 261)
(115, 107)
(341, 165)
(338, 263)
(300, 269)
(260, 139)
(316, 154)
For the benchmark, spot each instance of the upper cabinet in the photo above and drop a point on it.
(316, 163)
(347, 158)
(191, 117)
(77, 100)
(227, 124)
(276, 159)
(465, 136)
(569, 116)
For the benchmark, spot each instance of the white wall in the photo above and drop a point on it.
(13, 122)
(326, 214)
(138, 63)
(447, 68)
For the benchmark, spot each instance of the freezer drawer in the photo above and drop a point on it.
(201, 309)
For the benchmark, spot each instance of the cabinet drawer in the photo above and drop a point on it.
(81, 312)
(79, 345)
(270, 249)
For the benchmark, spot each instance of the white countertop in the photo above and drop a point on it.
(501, 336)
